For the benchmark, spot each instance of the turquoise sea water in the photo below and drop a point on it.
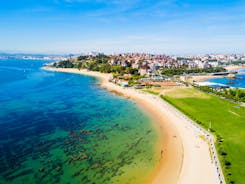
(63, 128)
(238, 82)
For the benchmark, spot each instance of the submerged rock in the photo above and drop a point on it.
(41, 169)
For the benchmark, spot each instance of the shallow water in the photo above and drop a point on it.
(63, 128)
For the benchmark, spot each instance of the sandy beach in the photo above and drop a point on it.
(234, 67)
(186, 156)
(201, 78)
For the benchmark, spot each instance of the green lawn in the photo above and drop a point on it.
(151, 91)
(227, 122)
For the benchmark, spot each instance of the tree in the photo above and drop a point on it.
(64, 64)
(105, 68)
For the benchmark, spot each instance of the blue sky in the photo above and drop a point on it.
(167, 26)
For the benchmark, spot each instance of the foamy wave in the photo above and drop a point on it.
(209, 84)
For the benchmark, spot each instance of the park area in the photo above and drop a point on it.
(224, 118)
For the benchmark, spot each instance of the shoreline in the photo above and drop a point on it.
(202, 78)
(185, 156)
(234, 67)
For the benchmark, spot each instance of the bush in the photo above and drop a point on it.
(64, 64)
(223, 153)
(227, 163)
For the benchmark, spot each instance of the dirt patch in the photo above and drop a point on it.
(186, 92)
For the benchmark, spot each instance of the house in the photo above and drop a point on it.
(123, 83)
(112, 62)
(135, 66)
(144, 70)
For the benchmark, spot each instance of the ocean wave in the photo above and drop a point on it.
(210, 84)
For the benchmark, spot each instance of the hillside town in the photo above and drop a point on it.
(149, 64)
(144, 70)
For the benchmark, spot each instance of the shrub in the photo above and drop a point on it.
(227, 163)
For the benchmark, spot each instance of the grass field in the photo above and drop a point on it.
(227, 121)
(151, 91)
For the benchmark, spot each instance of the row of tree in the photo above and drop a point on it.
(179, 71)
(64, 64)
(97, 63)
(234, 94)
(238, 62)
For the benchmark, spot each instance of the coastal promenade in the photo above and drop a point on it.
(189, 155)
(199, 131)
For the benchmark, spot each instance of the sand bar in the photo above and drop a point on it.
(186, 155)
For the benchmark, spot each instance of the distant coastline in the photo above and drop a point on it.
(234, 67)
(208, 77)
(237, 81)
(181, 161)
